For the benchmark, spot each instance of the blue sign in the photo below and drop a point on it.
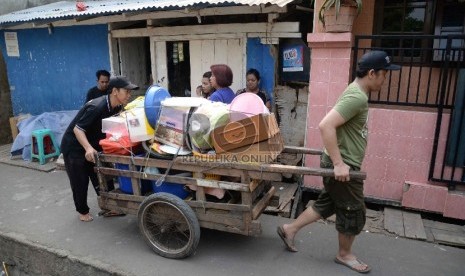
(293, 59)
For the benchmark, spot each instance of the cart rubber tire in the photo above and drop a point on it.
(169, 225)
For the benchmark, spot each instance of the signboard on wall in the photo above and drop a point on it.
(12, 46)
(293, 58)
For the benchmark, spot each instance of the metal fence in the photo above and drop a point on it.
(432, 76)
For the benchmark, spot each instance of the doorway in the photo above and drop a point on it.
(179, 70)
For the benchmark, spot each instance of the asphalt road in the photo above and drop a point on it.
(37, 207)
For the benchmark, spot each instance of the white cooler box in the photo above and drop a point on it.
(132, 122)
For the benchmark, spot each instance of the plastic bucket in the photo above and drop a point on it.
(166, 187)
(125, 184)
(152, 103)
(171, 188)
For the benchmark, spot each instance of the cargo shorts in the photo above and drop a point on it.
(345, 199)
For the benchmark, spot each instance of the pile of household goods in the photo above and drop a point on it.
(165, 127)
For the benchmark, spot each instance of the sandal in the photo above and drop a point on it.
(110, 213)
(86, 218)
(289, 244)
(352, 264)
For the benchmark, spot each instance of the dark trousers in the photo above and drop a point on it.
(79, 172)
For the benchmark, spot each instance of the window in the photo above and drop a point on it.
(450, 22)
(412, 18)
(404, 17)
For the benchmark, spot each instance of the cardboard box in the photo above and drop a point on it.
(245, 132)
(14, 127)
(14, 124)
(259, 153)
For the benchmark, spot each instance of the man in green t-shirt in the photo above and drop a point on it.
(344, 134)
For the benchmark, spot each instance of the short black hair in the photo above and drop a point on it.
(360, 73)
(253, 71)
(102, 73)
(207, 74)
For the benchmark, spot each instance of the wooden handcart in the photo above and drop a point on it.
(170, 225)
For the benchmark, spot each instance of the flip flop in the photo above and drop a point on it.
(86, 218)
(289, 244)
(352, 264)
(110, 213)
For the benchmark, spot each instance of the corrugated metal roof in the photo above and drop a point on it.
(67, 9)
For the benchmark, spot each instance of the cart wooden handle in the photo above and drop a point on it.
(301, 150)
(308, 171)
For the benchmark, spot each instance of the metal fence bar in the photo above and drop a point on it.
(414, 60)
(436, 69)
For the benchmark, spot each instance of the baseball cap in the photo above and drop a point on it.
(376, 60)
(121, 82)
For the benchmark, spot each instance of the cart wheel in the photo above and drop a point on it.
(169, 225)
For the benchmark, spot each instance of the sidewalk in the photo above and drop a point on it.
(40, 232)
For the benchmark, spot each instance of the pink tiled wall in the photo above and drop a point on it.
(400, 142)
(399, 149)
(330, 69)
(397, 159)
(455, 204)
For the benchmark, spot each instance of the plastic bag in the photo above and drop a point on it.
(121, 146)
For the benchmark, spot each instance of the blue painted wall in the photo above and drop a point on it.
(54, 71)
(259, 57)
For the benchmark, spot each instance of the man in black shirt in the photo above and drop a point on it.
(80, 142)
(103, 77)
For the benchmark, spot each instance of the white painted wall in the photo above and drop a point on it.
(204, 53)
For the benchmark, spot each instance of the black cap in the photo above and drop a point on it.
(121, 82)
(376, 60)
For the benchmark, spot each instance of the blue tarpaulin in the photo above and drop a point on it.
(56, 121)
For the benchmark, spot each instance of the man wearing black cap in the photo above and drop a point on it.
(80, 142)
(344, 134)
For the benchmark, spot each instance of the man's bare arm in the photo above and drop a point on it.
(328, 127)
(82, 139)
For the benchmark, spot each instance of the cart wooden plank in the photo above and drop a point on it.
(179, 179)
(135, 182)
(225, 219)
(120, 196)
(127, 207)
(224, 228)
(261, 205)
(192, 166)
(230, 166)
(218, 206)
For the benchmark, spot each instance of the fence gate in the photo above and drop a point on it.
(438, 63)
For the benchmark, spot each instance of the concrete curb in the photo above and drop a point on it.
(26, 257)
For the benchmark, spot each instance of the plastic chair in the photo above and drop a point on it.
(43, 145)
